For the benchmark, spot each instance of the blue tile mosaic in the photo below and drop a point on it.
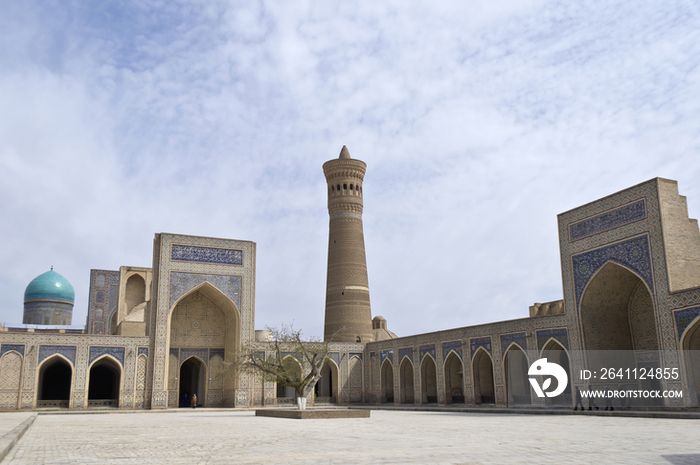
(182, 283)
(186, 353)
(175, 351)
(220, 352)
(384, 354)
(143, 351)
(475, 343)
(97, 351)
(633, 254)
(357, 354)
(683, 319)
(335, 356)
(455, 346)
(611, 219)
(518, 338)
(559, 334)
(191, 253)
(427, 349)
(66, 351)
(296, 355)
(406, 352)
(8, 347)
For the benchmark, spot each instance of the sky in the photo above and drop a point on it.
(479, 121)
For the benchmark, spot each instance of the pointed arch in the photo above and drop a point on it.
(135, 292)
(203, 318)
(355, 379)
(287, 394)
(104, 382)
(616, 311)
(141, 366)
(482, 369)
(690, 343)
(454, 378)
(55, 382)
(386, 382)
(326, 388)
(11, 379)
(192, 380)
(428, 380)
(406, 384)
(515, 368)
(227, 306)
(554, 351)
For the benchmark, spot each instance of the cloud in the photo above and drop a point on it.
(479, 122)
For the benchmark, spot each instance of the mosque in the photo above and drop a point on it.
(630, 267)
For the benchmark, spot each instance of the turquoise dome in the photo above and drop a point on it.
(50, 286)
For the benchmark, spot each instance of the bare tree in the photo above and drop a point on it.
(292, 362)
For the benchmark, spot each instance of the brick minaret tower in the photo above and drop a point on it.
(347, 289)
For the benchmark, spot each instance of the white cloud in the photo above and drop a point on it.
(479, 122)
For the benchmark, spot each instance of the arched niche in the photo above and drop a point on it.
(406, 381)
(192, 380)
(104, 382)
(454, 379)
(690, 342)
(135, 292)
(286, 394)
(428, 380)
(202, 319)
(617, 312)
(387, 382)
(515, 368)
(482, 368)
(326, 388)
(55, 382)
(10, 379)
(355, 379)
(554, 352)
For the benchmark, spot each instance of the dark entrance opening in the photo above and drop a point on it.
(104, 384)
(192, 374)
(54, 382)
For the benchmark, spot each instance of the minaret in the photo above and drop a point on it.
(348, 314)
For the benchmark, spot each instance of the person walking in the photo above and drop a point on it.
(591, 399)
(194, 400)
(579, 399)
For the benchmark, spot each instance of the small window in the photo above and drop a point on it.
(345, 187)
(338, 187)
(332, 188)
(351, 187)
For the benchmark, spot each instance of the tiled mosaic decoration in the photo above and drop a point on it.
(116, 352)
(190, 253)
(427, 349)
(475, 343)
(518, 338)
(559, 334)
(406, 352)
(683, 318)
(19, 348)
(66, 351)
(241, 290)
(608, 220)
(633, 254)
(104, 294)
(455, 346)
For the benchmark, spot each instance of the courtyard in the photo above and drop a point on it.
(387, 437)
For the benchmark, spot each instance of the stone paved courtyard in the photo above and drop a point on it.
(388, 437)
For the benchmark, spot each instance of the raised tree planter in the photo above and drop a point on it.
(317, 414)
